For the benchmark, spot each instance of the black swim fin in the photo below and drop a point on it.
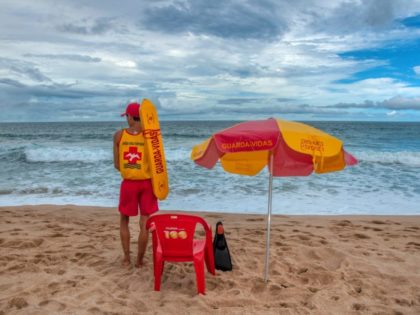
(222, 259)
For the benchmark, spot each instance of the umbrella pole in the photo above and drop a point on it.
(270, 202)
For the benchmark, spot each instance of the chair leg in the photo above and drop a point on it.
(199, 272)
(210, 260)
(158, 274)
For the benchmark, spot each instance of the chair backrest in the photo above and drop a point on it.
(175, 232)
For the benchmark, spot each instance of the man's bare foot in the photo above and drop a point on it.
(126, 262)
(139, 263)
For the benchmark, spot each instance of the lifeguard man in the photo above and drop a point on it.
(136, 187)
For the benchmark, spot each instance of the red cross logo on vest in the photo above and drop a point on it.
(132, 156)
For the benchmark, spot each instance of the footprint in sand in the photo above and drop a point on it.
(413, 245)
(57, 235)
(313, 290)
(213, 216)
(378, 222)
(71, 283)
(55, 271)
(18, 302)
(344, 223)
(258, 287)
(5, 287)
(275, 289)
(52, 306)
(212, 285)
(255, 220)
(140, 307)
(285, 305)
(416, 228)
(404, 302)
(53, 285)
(359, 307)
(86, 246)
(20, 244)
(96, 310)
(302, 270)
(18, 267)
(302, 237)
(361, 236)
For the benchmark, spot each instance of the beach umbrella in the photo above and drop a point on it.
(287, 148)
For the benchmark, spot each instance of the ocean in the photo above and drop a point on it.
(71, 163)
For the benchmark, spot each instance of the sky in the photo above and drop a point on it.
(202, 60)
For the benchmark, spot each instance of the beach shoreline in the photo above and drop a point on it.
(66, 259)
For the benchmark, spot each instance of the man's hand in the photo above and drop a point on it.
(117, 138)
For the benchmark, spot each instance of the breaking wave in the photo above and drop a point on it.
(86, 155)
(401, 157)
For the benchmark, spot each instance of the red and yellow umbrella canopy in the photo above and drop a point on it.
(297, 149)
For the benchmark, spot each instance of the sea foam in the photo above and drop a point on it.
(408, 158)
(67, 154)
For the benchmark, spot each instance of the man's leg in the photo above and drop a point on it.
(125, 238)
(143, 238)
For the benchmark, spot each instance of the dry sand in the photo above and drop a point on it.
(66, 259)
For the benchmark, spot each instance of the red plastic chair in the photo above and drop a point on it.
(173, 240)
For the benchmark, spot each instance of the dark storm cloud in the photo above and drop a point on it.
(227, 19)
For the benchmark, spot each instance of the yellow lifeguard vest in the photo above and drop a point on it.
(134, 162)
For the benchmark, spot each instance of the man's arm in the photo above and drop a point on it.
(117, 138)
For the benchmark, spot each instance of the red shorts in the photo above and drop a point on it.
(135, 194)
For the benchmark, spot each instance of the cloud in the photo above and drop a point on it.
(348, 17)
(74, 57)
(264, 108)
(255, 100)
(12, 83)
(395, 103)
(227, 59)
(226, 19)
(24, 69)
(239, 101)
(97, 26)
(401, 103)
(63, 91)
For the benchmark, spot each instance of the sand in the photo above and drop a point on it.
(66, 259)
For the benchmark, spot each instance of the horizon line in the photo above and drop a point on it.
(202, 120)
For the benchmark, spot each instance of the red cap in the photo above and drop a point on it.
(132, 110)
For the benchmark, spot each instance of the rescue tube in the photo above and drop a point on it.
(154, 149)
